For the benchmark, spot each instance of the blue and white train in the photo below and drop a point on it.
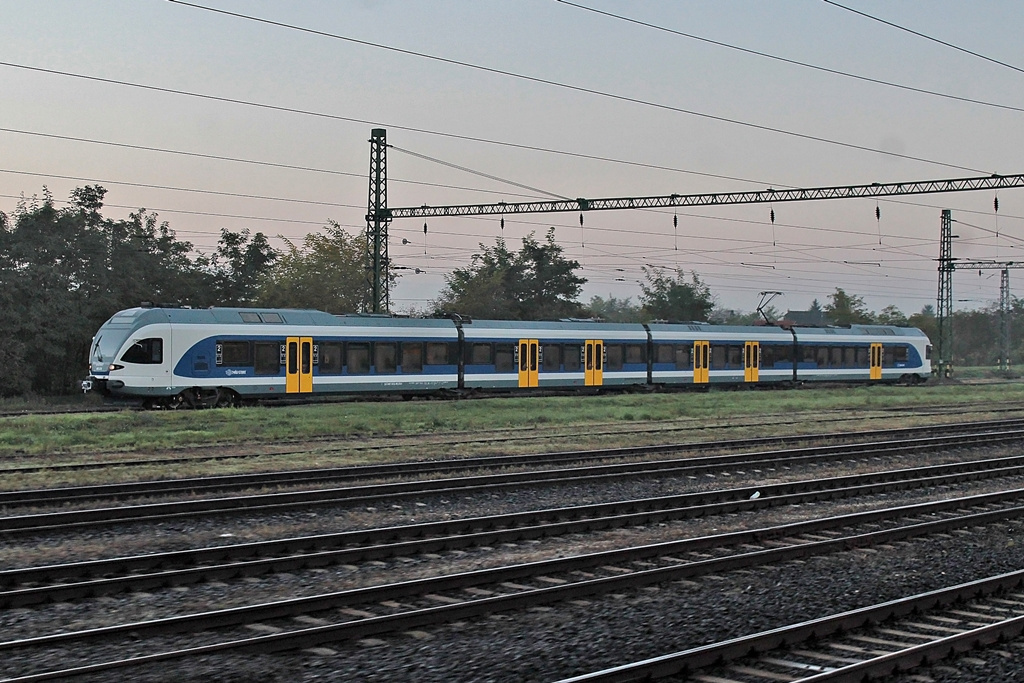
(180, 357)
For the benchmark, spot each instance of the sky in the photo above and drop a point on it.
(236, 165)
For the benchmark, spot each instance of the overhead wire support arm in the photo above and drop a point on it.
(712, 199)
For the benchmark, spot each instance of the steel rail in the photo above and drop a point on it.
(519, 599)
(78, 519)
(79, 580)
(907, 658)
(393, 470)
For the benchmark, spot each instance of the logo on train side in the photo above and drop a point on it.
(235, 373)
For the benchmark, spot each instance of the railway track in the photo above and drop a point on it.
(387, 608)
(362, 493)
(74, 581)
(854, 646)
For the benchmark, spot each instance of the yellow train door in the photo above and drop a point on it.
(529, 362)
(701, 358)
(299, 365)
(593, 357)
(751, 361)
(876, 361)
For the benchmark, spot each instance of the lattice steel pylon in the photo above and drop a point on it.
(1004, 268)
(944, 301)
(1004, 320)
(377, 220)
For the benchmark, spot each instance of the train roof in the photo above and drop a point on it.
(859, 330)
(138, 317)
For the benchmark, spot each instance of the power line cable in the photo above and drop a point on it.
(237, 194)
(478, 173)
(191, 213)
(920, 35)
(795, 62)
(348, 119)
(576, 88)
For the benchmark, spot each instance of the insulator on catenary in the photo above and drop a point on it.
(424, 228)
(772, 216)
(581, 219)
(878, 214)
(995, 204)
(675, 221)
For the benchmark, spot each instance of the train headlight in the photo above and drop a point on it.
(115, 366)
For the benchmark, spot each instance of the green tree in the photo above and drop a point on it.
(238, 266)
(63, 272)
(614, 310)
(535, 283)
(891, 315)
(926, 322)
(847, 309)
(673, 298)
(328, 272)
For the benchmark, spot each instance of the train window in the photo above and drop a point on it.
(900, 353)
(233, 353)
(849, 357)
(735, 356)
(145, 352)
(928, 352)
(613, 357)
(504, 358)
(293, 358)
(862, 357)
(437, 353)
(266, 358)
(821, 356)
(768, 354)
(718, 357)
(571, 357)
(412, 357)
(636, 353)
(248, 317)
(664, 353)
(888, 357)
(807, 354)
(271, 317)
(385, 357)
(835, 357)
(330, 358)
(551, 357)
(683, 357)
(480, 354)
(357, 357)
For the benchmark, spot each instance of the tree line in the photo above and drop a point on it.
(64, 271)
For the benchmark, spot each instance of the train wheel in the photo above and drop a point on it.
(226, 398)
(182, 400)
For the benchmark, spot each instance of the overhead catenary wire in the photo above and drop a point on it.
(923, 35)
(795, 62)
(578, 88)
(348, 119)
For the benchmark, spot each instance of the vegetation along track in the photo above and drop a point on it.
(342, 444)
(81, 518)
(378, 609)
(858, 645)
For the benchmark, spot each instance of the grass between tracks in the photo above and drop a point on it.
(159, 431)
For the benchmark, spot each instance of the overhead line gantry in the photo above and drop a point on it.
(379, 215)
